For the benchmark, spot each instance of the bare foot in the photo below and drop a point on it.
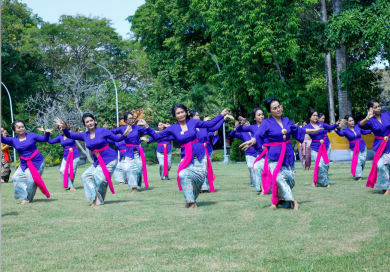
(25, 201)
(313, 185)
(134, 190)
(387, 192)
(72, 189)
(261, 193)
(296, 205)
(328, 186)
(274, 207)
(204, 191)
(121, 183)
(359, 179)
(187, 205)
(2, 181)
(193, 205)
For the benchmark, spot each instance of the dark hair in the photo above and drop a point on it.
(87, 114)
(17, 121)
(180, 106)
(310, 113)
(304, 121)
(254, 112)
(348, 116)
(193, 113)
(126, 115)
(370, 103)
(320, 115)
(158, 122)
(268, 102)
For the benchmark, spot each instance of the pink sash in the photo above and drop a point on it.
(186, 160)
(104, 167)
(371, 181)
(165, 158)
(355, 156)
(35, 174)
(144, 170)
(210, 172)
(321, 153)
(274, 196)
(68, 166)
(266, 174)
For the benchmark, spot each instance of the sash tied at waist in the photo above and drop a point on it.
(104, 167)
(68, 166)
(355, 156)
(210, 172)
(371, 181)
(165, 158)
(321, 153)
(266, 174)
(144, 170)
(35, 174)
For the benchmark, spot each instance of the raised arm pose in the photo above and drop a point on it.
(164, 151)
(320, 149)
(97, 177)
(28, 175)
(357, 146)
(70, 160)
(379, 124)
(192, 170)
(281, 157)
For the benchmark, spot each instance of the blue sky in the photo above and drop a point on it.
(115, 10)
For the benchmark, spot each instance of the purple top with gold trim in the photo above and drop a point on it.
(379, 129)
(67, 143)
(352, 137)
(133, 138)
(316, 137)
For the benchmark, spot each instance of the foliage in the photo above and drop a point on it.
(216, 157)
(236, 154)
(150, 152)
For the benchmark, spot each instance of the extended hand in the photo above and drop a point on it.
(229, 116)
(142, 122)
(244, 146)
(370, 113)
(128, 130)
(208, 118)
(59, 123)
(225, 111)
(146, 140)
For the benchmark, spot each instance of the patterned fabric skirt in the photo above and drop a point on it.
(306, 154)
(323, 169)
(361, 162)
(383, 179)
(76, 162)
(120, 173)
(205, 186)
(94, 181)
(5, 168)
(285, 181)
(257, 170)
(25, 187)
(133, 169)
(160, 157)
(192, 179)
(249, 162)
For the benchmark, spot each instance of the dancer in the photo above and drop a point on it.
(163, 151)
(357, 146)
(5, 159)
(203, 135)
(192, 168)
(134, 163)
(70, 160)
(119, 173)
(321, 117)
(320, 148)
(28, 176)
(260, 147)
(379, 124)
(305, 150)
(280, 165)
(97, 177)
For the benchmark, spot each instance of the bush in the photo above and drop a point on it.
(50, 161)
(236, 154)
(150, 152)
(15, 164)
(216, 157)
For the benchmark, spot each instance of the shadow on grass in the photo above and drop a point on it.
(376, 192)
(79, 187)
(44, 200)
(116, 201)
(10, 214)
(280, 207)
(206, 203)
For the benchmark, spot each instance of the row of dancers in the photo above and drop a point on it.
(269, 153)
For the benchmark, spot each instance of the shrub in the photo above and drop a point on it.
(15, 164)
(216, 157)
(236, 154)
(50, 161)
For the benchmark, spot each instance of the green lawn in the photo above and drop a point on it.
(342, 228)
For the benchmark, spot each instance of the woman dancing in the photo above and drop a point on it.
(305, 150)
(28, 176)
(357, 146)
(163, 151)
(70, 160)
(281, 157)
(192, 168)
(320, 147)
(257, 165)
(97, 177)
(5, 159)
(379, 124)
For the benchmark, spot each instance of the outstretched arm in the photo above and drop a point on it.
(56, 140)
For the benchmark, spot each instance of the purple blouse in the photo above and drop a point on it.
(132, 138)
(120, 146)
(160, 148)
(315, 145)
(272, 131)
(352, 137)
(27, 147)
(188, 136)
(244, 136)
(251, 129)
(204, 134)
(100, 141)
(67, 143)
(379, 129)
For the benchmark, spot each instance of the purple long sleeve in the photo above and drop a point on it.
(66, 144)
(316, 137)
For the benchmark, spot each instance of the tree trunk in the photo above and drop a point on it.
(85, 151)
(277, 66)
(328, 70)
(345, 106)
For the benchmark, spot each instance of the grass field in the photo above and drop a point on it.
(342, 228)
